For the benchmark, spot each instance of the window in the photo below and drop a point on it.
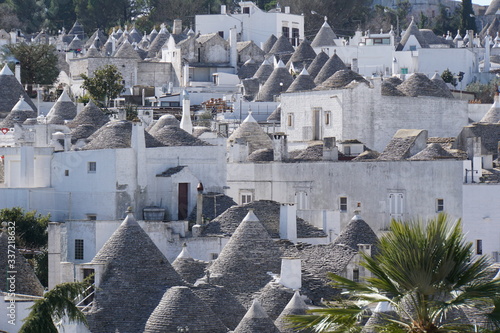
(328, 116)
(285, 31)
(92, 167)
(78, 249)
(221, 33)
(246, 10)
(479, 246)
(413, 47)
(246, 196)
(214, 256)
(91, 217)
(66, 173)
(404, 70)
(343, 204)
(355, 275)
(289, 120)
(295, 36)
(396, 205)
(439, 205)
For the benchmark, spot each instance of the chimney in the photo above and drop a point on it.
(330, 149)
(486, 66)
(280, 147)
(287, 9)
(186, 123)
(233, 50)
(288, 221)
(67, 141)
(17, 71)
(355, 65)
(177, 29)
(238, 151)
(223, 9)
(291, 273)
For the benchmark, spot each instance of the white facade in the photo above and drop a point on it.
(252, 23)
(363, 113)
(380, 189)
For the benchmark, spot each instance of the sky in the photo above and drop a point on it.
(481, 2)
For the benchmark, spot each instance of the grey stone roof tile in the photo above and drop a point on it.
(253, 134)
(10, 90)
(277, 83)
(134, 269)
(256, 321)
(324, 37)
(269, 43)
(333, 65)
(274, 297)
(296, 307)
(315, 67)
(341, 79)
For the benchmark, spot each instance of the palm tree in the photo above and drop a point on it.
(427, 273)
(55, 304)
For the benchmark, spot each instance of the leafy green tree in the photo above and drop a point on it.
(446, 21)
(31, 234)
(485, 93)
(60, 13)
(424, 271)
(38, 63)
(31, 13)
(104, 85)
(468, 18)
(8, 18)
(55, 305)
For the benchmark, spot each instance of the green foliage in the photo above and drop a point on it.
(468, 19)
(131, 112)
(104, 85)
(424, 270)
(446, 21)
(31, 13)
(55, 304)
(484, 92)
(423, 22)
(447, 76)
(31, 228)
(8, 18)
(38, 62)
(60, 13)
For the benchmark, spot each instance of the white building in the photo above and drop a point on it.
(252, 23)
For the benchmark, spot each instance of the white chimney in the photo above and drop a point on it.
(223, 9)
(238, 151)
(233, 50)
(186, 123)
(291, 273)
(287, 9)
(280, 146)
(330, 149)
(288, 221)
(17, 71)
(177, 29)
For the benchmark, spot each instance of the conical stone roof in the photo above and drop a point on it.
(174, 136)
(319, 61)
(493, 7)
(303, 56)
(26, 281)
(135, 35)
(325, 36)
(116, 135)
(248, 69)
(158, 42)
(98, 34)
(10, 90)
(277, 83)
(357, 231)
(302, 82)
(256, 321)
(245, 261)
(419, 84)
(76, 44)
(252, 133)
(63, 107)
(412, 30)
(180, 307)
(134, 269)
(282, 49)
(126, 50)
(269, 43)
(93, 52)
(152, 35)
(90, 115)
(165, 120)
(187, 267)
(296, 307)
(19, 113)
(493, 114)
(433, 151)
(274, 297)
(230, 313)
(333, 65)
(341, 79)
(439, 82)
(265, 70)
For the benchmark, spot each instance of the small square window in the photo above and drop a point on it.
(439, 205)
(343, 204)
(92, 167)
(479, 246)
(246, 198)
(78, 249)
(221, 33)
(289, 120)
(355, 275)
(66, 173)
(91, 217)
(214, 255)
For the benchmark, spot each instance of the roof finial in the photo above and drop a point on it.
(325, 18)
(129, 210)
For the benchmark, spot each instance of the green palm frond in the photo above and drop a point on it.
(56, 304)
